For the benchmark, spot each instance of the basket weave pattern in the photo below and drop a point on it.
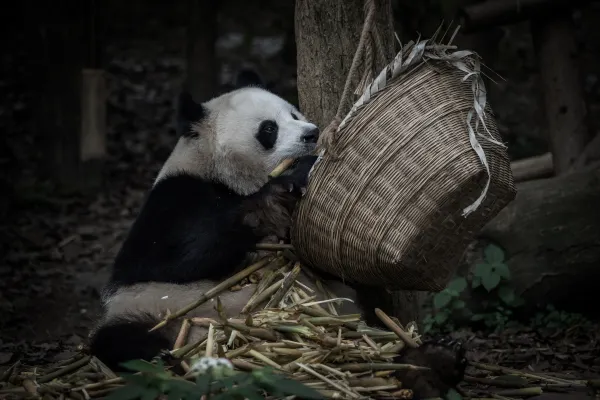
(388, 211)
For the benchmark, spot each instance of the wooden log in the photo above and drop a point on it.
(327, 34)
(551, 239)
(532, 168)
(486, 14)
(564, 102)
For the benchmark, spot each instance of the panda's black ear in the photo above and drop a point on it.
(248, 77)
(188, 112)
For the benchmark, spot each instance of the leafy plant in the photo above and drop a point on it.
(445, 303)
(552, 318)
(492, 276)
(217, 383)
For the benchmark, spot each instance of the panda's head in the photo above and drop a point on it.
(238, 138)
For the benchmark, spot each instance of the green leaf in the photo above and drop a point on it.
(141, 366)
(441, 317)
(493, 254)
(248, 392)
(202, 383)
(458, 304)
(441, 299)
(507, 294)
(502, 270)
(290, 387)
(175, 395)
(477, 317)
(490, 281)
(150, 394)
(453, 395)
(482, 270)
(139, 380)
(518, 301)
(127, 392)
(458, 284)
(476, 282)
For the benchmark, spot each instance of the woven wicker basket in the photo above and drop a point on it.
(388, 209)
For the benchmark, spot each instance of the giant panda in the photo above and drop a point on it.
(211, 202)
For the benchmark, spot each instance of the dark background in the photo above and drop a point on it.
(57, 244)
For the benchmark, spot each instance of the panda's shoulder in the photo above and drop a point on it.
(183, 188)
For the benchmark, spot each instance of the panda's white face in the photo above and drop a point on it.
(242, 136)
(257, 124)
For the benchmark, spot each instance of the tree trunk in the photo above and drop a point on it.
(551, 240)
(565, 107)
(327, 34)
(202, 68)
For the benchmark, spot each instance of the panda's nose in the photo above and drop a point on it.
(311, 136)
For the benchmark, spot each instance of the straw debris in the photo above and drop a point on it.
(287, 330)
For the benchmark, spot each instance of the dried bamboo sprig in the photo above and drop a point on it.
(282, 167)
(286, 285)
(396, 329)
(274, 246)
(226, 284)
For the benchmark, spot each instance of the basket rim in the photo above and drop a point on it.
(407, 60)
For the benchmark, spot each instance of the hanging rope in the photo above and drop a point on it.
(365, 48)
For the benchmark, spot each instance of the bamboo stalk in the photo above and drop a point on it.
(226, 284)
(286, 285)
(281, 168)
(396, 329)
(63, 371)
(274, 246)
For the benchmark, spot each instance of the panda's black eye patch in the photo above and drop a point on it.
(295, 116)
(267, 134)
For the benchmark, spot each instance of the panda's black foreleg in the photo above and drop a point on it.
(446, 361)
(269, 211)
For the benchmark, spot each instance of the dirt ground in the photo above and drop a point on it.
(58, 248)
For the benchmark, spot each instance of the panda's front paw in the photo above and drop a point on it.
(446, 361)
(301, 169)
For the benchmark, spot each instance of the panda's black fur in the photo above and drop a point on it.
(191, 229)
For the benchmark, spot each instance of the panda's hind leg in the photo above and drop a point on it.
(446, 361)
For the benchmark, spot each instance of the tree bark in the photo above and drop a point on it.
(551, 240)
(327, 34)
(565, 107)
(202, 67)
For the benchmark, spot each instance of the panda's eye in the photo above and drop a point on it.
(295, 116)
(268, 127)
(267, 134)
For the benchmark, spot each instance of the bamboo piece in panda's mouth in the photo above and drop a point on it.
(281, 168)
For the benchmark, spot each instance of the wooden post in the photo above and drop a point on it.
(565, 107)
(93, 120)
(66, 107)
(327, 33)
(202, 67)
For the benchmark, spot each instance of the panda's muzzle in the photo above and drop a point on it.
(311, 136)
